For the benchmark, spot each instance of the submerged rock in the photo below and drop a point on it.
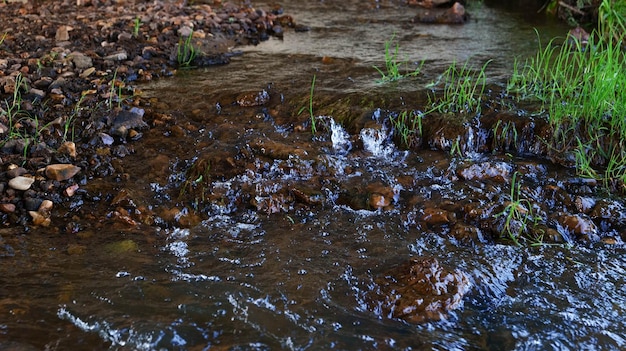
(454, 15)
(420, 290)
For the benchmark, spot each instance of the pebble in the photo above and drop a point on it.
(21, 183)
(7, 208)
(61, 171)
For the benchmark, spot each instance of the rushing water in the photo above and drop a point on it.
(304, 278)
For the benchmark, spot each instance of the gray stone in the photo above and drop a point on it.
(81, 61)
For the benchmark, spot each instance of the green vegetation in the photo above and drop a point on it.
(310, 108)
(3, 37)
(393, 66)
(186, 52)
(463, 90)
(407, 126)
(519, 221)
(136, 26)
(21, 125)
(581, 89)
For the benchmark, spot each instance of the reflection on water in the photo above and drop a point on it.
(305, 279)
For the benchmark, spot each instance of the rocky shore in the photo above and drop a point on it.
(68, 106)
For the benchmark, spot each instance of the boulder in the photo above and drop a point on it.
(420, 290)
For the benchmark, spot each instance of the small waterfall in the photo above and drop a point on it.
(340, 138)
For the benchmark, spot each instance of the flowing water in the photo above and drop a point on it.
(257, 270)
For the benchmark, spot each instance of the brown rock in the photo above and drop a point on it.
(7, 208)
(578, 224)
(498, 171)
(68, 148)
(436, 216)
(62, 33)
(249, 99)
(71, 190)
(420, 290)
(379, 201)
(39, 219)
(61, 171)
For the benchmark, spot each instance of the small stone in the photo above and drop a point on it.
(45, 207)
(21, 183)
(62, 33)
(71, 190)
(38, 93)
(68, 148)
(86, 73)
(39, 219)
(81, 61)
(119, 56)
(7, 208)
(16, 172)
(61, 171)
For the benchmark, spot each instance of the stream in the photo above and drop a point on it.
(264, 236)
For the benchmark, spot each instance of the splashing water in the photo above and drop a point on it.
(340, 138)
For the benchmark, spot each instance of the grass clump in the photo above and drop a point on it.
(518, 220)
(186, 52)
(392, 70)
(463, 89)
(581, 89)
(407, 126)
(20, 124)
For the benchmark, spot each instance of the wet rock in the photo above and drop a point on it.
(249, 99)
(122, 247)
(276, 150)
(420, 290)
(584, 204)
(71, 190)
(61, 171)
(380, 196)
(437, 216)
(454, 15)
(610, 211)
(379, 201)
(21, 183)
(579, 225)
(127, 120)
(270, 204)
(498, 171)
(466, 234)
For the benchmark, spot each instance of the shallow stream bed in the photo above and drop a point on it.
(236, 228)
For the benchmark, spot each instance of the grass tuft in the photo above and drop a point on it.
(393, 65)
